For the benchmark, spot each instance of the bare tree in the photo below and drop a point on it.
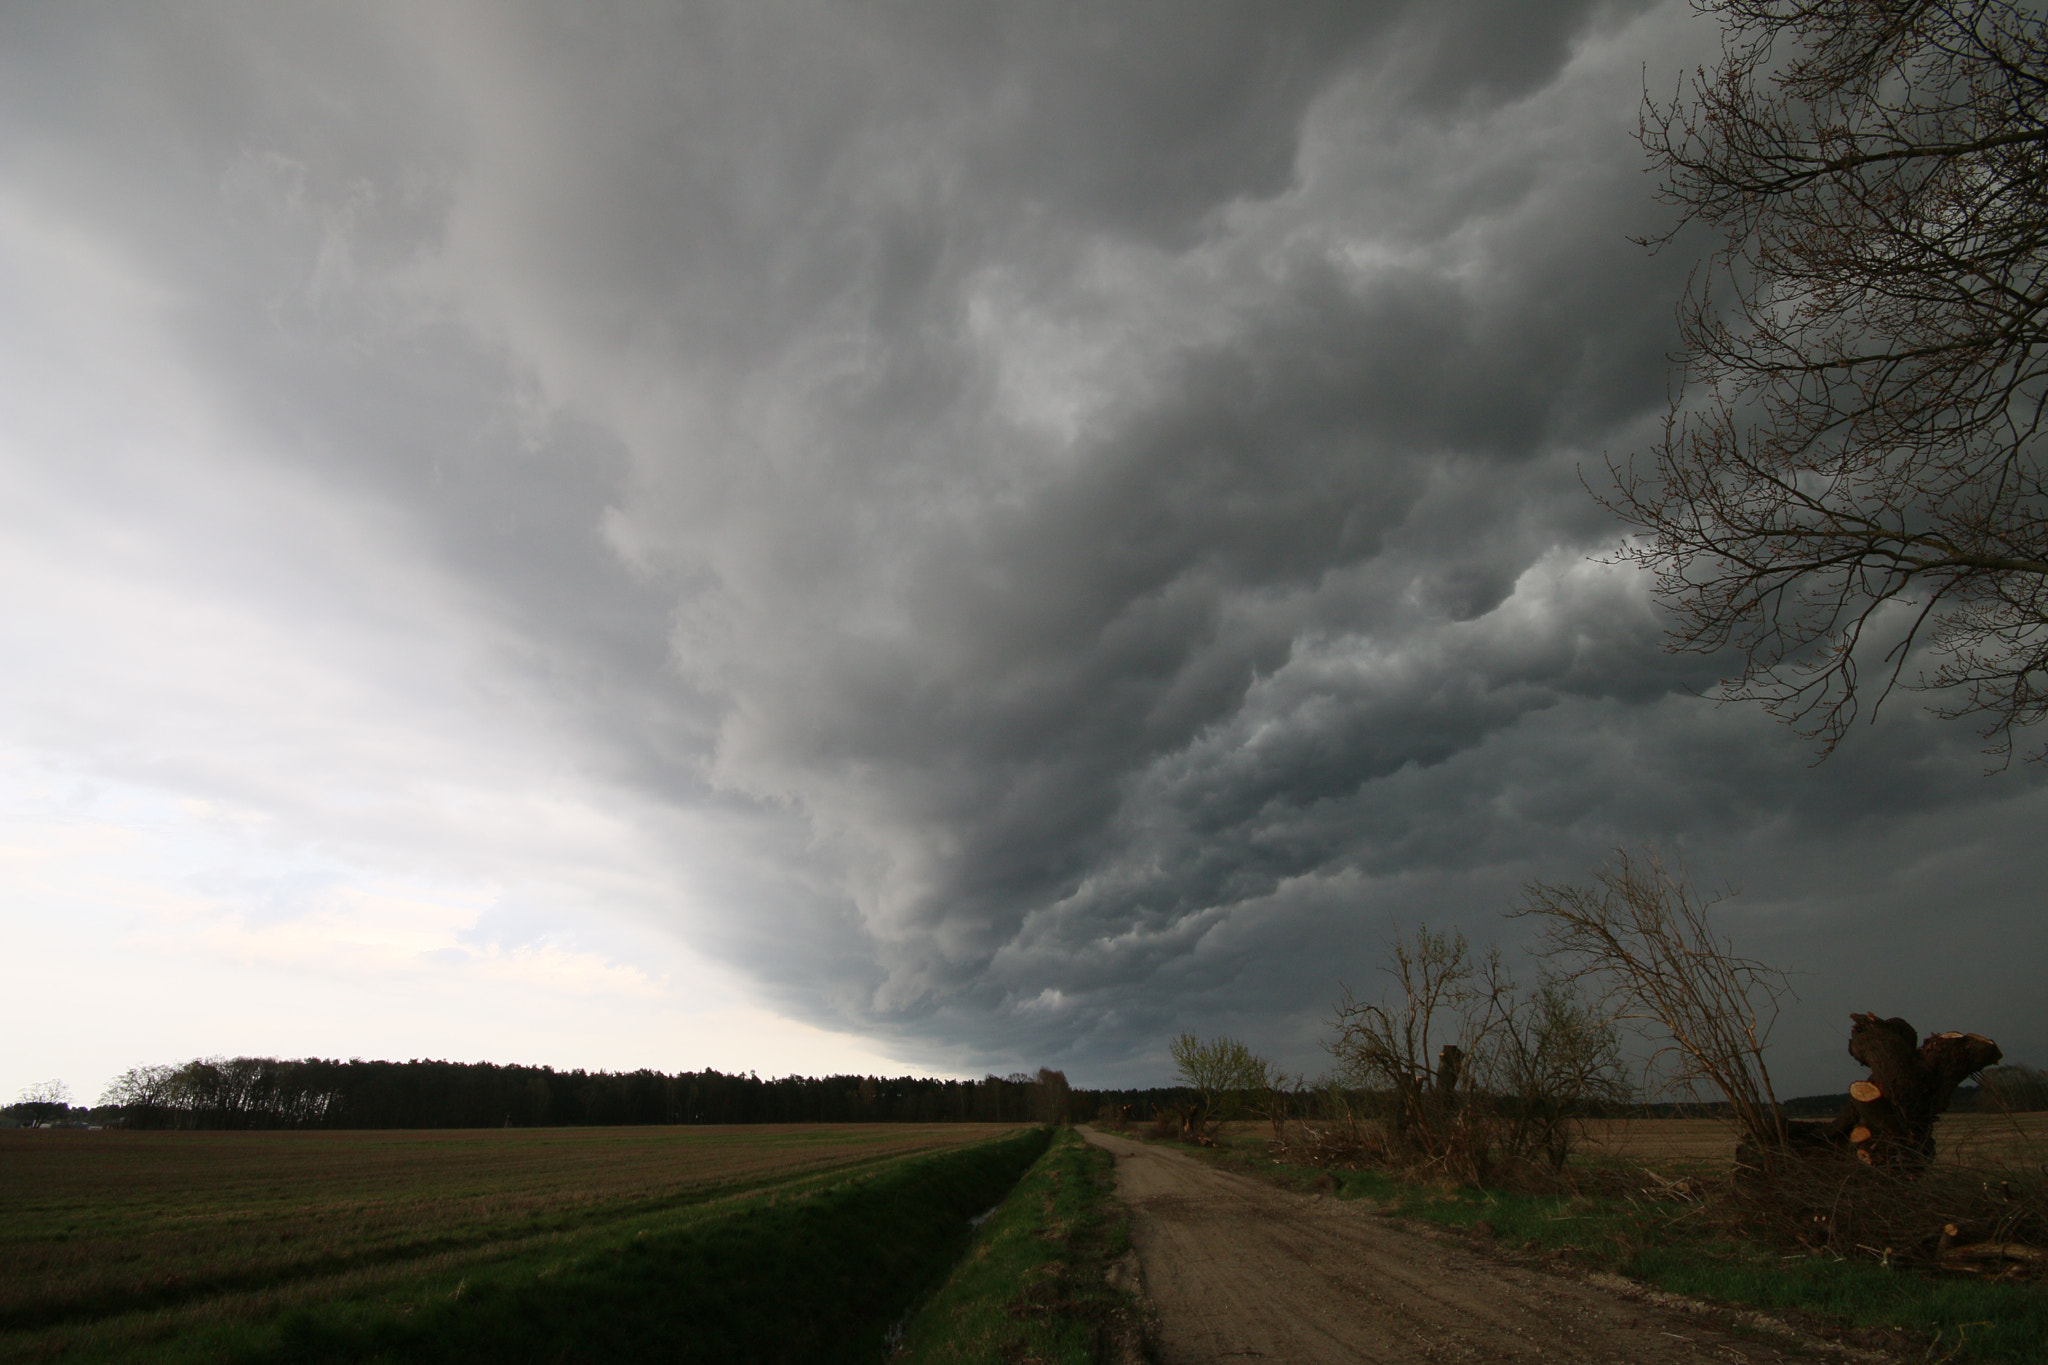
(1853, 466)
(1411, 1046)
(43, 1102)
(1465, 1063)
(1642, 932)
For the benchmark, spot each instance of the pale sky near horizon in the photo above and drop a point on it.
(880, 537)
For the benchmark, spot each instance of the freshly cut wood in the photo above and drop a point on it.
(1949, 1059)
(1889, 1117)
(1889, 1047)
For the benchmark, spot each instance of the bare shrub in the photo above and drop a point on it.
(1467, 1069)
(1280, 1101)
(1553, 1058)
(1408, 1048)
(1639, 934)
(1975, 1219)
(2014, 1089)
(1344, 1135)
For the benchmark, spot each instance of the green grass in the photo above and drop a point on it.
(796, 1245)
(1667, 1244)
(1033, 1286)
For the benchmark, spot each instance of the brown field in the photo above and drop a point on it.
(1969, 1139)
(1963, 1139)
(160, 1230)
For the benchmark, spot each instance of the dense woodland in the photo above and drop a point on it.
(265, 1092)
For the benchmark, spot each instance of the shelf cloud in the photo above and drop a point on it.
(1005, 532)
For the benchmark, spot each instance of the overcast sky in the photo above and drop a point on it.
(869, 536)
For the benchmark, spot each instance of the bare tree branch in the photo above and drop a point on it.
(1853, 463)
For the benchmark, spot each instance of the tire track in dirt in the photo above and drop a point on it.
(1237, 1270)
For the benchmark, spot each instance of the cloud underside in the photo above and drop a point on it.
(1050, 526)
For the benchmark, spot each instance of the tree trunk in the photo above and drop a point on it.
(1450, 1064)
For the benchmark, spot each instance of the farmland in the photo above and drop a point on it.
(113, 1243)
(1962, 1139)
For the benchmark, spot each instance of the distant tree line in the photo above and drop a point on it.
(265, 1092)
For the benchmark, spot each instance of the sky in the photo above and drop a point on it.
(892, 536)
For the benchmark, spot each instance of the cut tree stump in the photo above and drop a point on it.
(1889, 1119)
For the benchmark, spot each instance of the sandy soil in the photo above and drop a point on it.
(1237, 1270)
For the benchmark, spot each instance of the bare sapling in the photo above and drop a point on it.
(1280, 1101)
(1640, 935)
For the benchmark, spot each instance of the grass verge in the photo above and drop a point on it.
(1035, 1286)
(1670, 1245)
(815, 1279)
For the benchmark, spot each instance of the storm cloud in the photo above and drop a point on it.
(1009, 531)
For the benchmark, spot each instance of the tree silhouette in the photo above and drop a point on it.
(1852, 467)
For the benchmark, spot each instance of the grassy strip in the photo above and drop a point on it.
(1035, 1284)
(814, 1279)
(1666, 1244)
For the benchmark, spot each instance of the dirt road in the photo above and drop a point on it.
(1237, 1270)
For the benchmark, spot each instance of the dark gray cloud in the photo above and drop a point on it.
(1065, 522)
